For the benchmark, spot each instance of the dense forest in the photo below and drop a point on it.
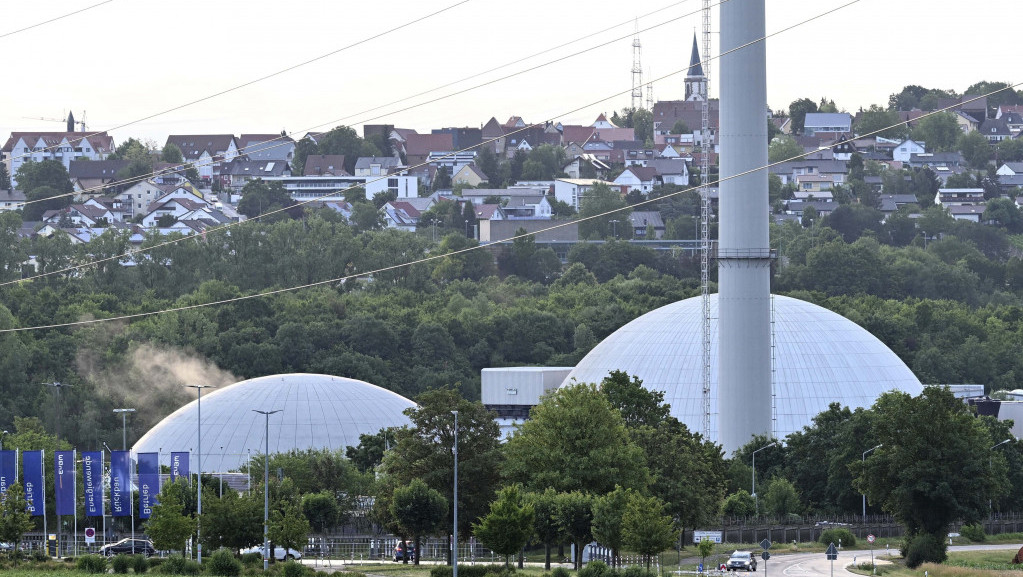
(947, 301)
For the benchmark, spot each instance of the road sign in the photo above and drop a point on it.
(870, 538)
(90, 535)
(765, 544)
(714, 536)
(832, 552)
(765, 555)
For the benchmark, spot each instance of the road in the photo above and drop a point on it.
(817, 564)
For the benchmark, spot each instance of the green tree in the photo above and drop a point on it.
(998, 93)
(366, 216)
(341, 140)
(418, 510)
(643, 125)
(42, 199)
(739, 504)
(648, 531)
(546, 526)
(798, 110)
(940, 131)
(320, 509)
(781, 498)
(826, 105)
(1010, 150)
(231, 520)
(976, 149)
(14, 520)
(933, 466)
(681, 127)
(170, 524)
(875, 119)
(259, 197)
(509, 525)
(1003, 212)
(51, 173)
(5, 177)
(288, 526)
(171, 153)
(575, 515)
(705, 547)
(554, 448)
(782, 148)
(608, 512)
(370, 451)
(600, 199)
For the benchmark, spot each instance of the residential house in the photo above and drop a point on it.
(813, 183)
(325, 165)
(906, 149)
(239, 172)
(419, 147)
(788, 171)
(93, 175)
(1008, 183)
(278, 147)
(642, 220)
(996, 129)
(64, 147)
(331, 188)
(637, 178)
(959, 197)
(179, 207)
(936, 159)
(466, 137)
(602, 151)
(137, 198)
(544, 231)
(529, 207)
(834, 123)
(966, 122)
(819, 195)
(451, 161)
(576, 166)
(470, 175)
(89, 215)
(401, 215)
(493, 134)
(206, 152)
(572, 190)
(12, 200)
(797, 208)
(667, 113)
(891, 203)
(573, 134)
(970, 212)
(1010, 169)
(633, 153)
(1014, 120)
(671, 170)
(489, 212)
(377, 165)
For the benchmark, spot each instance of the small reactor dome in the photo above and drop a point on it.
(819, 357)
(317, 412)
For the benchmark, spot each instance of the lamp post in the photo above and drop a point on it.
(124, 426)
(990, 464)
(198, 516)
(454, 541)
(221, 474)
(266, 489)
(756, 502)
(864, 460)
(614, 226)
(2, 435)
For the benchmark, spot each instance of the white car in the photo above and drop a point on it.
(280, 553)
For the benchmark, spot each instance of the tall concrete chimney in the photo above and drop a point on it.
(744, 258)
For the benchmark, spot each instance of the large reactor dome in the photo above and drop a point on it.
(317, 412)
(820, 357)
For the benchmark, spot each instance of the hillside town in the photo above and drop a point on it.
(926, 148)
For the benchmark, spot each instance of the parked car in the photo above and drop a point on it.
(742, 560)
(280, 553)
(400, 550)
(129, 547)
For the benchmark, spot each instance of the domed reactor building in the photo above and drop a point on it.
(316, 412)
(818, 358)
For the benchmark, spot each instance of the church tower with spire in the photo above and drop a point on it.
(696, 80)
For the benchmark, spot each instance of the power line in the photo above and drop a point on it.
(282, 142)
(229, 225)
(61, 17)
(273, 74)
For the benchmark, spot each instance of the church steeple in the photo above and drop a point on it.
(696, 80)
(70, 121)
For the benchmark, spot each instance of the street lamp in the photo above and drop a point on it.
(56, 413)
(990, 464)
(864, 460)
(198, 516)
(756, 503)
(266, 489)
(2, 434)
(124, 426)
(454, 541)
(614, 225)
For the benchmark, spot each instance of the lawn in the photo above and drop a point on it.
(959, 564)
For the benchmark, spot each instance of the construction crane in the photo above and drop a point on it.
(70, 121)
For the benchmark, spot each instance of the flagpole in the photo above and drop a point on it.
(46, 533)
(74, 492)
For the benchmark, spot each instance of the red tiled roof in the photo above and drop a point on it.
(424, 144)
(100, 141)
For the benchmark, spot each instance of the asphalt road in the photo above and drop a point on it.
(817, 564)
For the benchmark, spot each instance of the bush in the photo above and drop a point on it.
(637, 571)
(91, 564)
(121, 563)
(252, 559)
(560, 572)
(838, 536)
(179, 566)
(597, 569)
(40, 555)
(293, 569)
(139, 563)
(925, 548)
(477, 571)
(973, 532)
(155, 562)
(223, 563)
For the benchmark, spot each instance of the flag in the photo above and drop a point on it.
(64, 481)
(120, 484)
(92, 478)
(149, 482)
(35, 487)
(179, 466)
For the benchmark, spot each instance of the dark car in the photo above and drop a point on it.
(128, 547)
(743, 560)
(401, 550)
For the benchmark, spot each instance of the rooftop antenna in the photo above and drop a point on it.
(705, 149)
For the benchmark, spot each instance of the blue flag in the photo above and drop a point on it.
(8, 470)
(64, 481)
(120, 483)
(92, 479)
(149, 482)
(179, 466)
(35, 488)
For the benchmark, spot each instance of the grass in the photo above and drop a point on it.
(959, 564)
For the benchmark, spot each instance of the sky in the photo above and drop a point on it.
(125, 60)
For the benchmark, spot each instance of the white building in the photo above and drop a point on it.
(571, 190)
(331, 188)
(24, 147)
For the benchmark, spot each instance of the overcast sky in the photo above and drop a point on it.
(128, 59)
